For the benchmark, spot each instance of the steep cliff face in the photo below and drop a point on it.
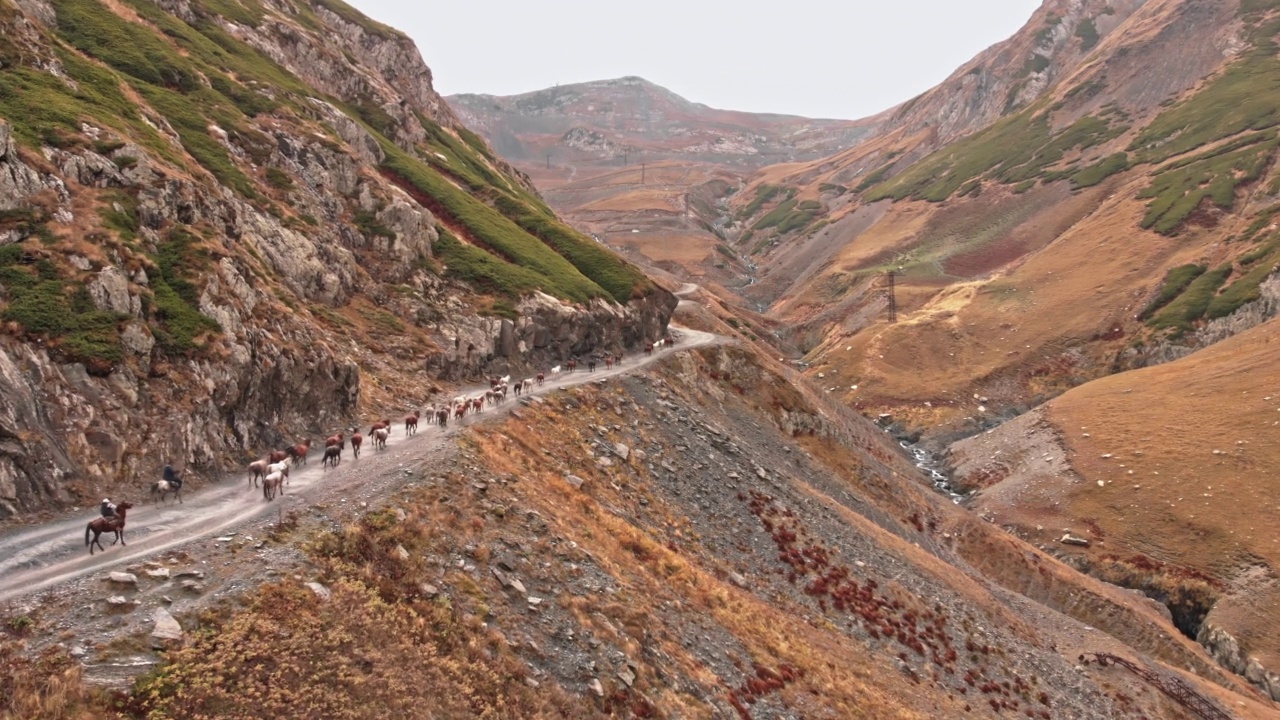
(219, 221)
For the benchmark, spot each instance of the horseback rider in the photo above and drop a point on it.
(108, 509)
(171, 476)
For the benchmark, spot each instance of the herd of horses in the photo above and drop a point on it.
(271, 473)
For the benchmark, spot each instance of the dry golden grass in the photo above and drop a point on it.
(48, 686)
(686, 250)
(1197, 436)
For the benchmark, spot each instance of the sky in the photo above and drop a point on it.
(817, 58)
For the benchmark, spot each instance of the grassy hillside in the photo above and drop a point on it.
(191, 76)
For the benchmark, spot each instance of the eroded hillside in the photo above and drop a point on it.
(226, 225)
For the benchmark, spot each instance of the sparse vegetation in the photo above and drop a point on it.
(1015, 149)
(764, 194)
(1242, 98)
(1101, 170)
(1179, 189)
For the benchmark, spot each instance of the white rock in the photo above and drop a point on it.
(124, 578)
(166, 629)
(320, 591)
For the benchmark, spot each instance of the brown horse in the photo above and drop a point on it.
(97, 526)
(298, 453)
(572, 365)
(411, 424)
(356, 441)
(442, 417)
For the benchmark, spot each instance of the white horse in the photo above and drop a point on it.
(555, 371)
(281, 467)
(271, 484)
(380, 438)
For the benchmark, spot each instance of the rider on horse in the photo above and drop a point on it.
(108, 509)
(172, 476)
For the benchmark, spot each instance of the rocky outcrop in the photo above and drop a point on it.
(1248, 316)
(546, 332)
(1227, 651)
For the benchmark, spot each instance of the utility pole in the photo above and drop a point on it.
(889, 295)
(548, 161)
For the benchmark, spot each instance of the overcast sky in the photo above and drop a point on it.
(819, 58)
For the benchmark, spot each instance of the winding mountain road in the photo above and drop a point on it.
(42, 556)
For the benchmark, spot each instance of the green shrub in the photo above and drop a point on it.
(764, 194)
(622, 280)
(279, 179)
(476, 267)
(180, 324)
(1191, 305)
(776, 215)
(1087, 31)
(244, 12)
(874, 178)
(368, 224)
(1244, 290)
(1175, 282)
(1177, 190)
(499, 234)
(1101, 170)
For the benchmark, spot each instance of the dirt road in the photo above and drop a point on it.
(42, 556)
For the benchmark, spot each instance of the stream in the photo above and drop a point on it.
(930, 466)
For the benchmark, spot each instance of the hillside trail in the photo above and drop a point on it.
(38, 557)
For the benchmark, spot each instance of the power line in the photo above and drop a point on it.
(891, 297)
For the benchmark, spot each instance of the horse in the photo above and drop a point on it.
(97, 526)
(356, 441)
(608, 362)
(591, 365)
(277, 456)
(257, 470)
(477, 404)
(428, 414)
(334, 441)
(518, 387)
(271, 484)
(380, 438)
(281, 467)
(555, 371)
(332, 456)
(442, 417)
(164, 487)
(648, 348)
(541, 378)
(298, 453)
(572, 365)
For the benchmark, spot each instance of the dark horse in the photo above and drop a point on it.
(102, 524)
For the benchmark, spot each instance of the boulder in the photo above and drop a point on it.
(320, 591)
(124, 578)
(167, 630)
(1070, 539)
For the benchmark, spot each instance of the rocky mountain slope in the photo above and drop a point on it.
(704, 537)
(644, 169)
(224, 225)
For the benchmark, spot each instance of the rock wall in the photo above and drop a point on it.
(1227, 651)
